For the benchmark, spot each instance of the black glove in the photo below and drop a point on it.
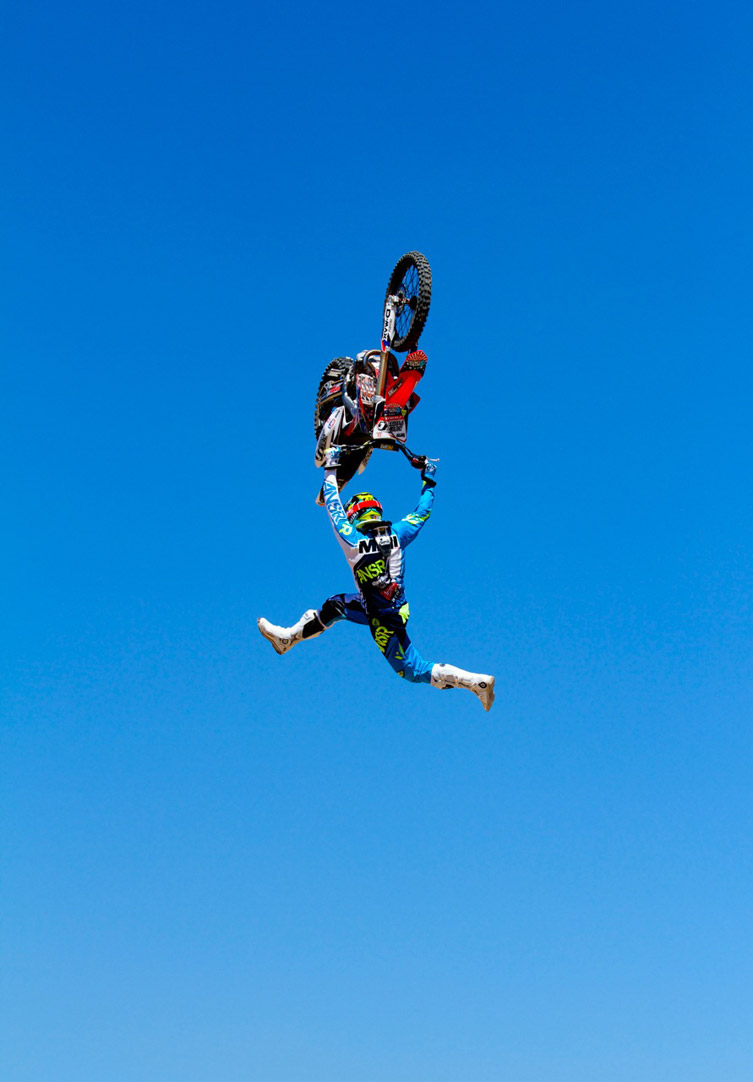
(429, 474)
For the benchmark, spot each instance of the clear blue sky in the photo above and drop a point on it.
(224, 866)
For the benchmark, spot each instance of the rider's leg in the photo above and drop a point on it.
(448, 676)
(389, 633)
(314, 622)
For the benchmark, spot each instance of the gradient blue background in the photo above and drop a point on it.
(224, 866)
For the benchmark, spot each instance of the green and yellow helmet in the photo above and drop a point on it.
(362, 508)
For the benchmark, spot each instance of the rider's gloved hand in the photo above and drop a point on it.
(429, 474)
(332, 458)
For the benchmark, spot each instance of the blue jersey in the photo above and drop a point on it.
(377, 563)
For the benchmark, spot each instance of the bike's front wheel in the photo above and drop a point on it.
(410, 283)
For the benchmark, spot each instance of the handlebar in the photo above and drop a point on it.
(389, 444)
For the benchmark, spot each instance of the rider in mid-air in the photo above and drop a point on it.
(374, 548)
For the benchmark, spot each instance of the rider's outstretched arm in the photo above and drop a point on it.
(407, 528)
(347, 535)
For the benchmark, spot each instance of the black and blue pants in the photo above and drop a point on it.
(388, 630)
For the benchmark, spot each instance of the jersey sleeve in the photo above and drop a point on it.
(407, 528)
(347, 535)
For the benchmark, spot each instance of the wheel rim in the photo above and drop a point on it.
(408, 290)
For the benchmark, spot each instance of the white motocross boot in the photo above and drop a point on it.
(282, 638)
(447, 676)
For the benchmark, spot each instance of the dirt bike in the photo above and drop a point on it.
(364, 403)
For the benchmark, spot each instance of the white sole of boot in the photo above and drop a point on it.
(269, 635)
(488, 698)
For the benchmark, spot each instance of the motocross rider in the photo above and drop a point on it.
(374, 549)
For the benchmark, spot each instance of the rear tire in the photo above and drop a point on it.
(335, 372)
(411, 277)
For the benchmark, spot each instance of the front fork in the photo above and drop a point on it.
(388, 337)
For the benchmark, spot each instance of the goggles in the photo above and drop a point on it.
(357, 509)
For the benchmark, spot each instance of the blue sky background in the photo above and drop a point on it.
(224, 866)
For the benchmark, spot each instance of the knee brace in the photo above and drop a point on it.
(332, 609)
